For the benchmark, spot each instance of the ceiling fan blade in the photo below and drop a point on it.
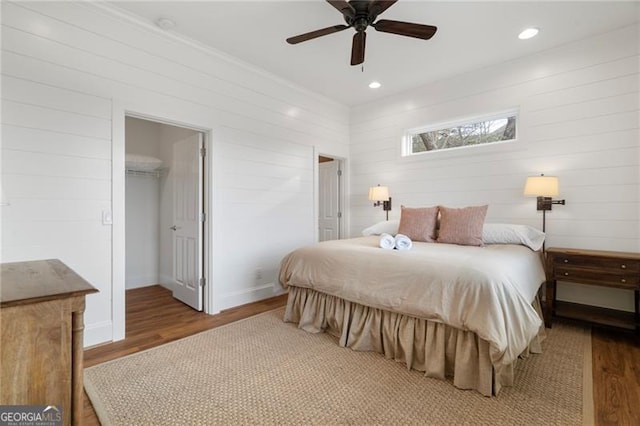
(343, 7)
(315, 34)
(376, 7)
(357, 48)
(408, 29)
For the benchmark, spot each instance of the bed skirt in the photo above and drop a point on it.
(435, 348)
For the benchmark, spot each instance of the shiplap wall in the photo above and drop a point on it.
(64, 67)
(578, 120)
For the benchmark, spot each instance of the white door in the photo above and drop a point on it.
(188, 220)
(329, 200)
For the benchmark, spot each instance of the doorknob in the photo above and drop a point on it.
(174, 228)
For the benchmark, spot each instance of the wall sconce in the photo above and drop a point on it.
(380, 194)
(543, 187)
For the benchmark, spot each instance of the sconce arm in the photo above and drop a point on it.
(545, 203)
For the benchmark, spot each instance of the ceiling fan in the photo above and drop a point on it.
(360, 14)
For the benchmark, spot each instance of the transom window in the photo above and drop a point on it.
(499, 127)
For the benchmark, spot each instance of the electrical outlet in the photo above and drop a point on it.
(258, 274)
(107, 218)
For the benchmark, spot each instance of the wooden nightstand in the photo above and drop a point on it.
(593, 267)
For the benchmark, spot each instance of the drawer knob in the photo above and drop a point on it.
(566, 261)
(623, 266)
(566, 274)
(623, 280)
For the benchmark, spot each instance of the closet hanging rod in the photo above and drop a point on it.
(145, 173)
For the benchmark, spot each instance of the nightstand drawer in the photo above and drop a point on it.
(601, 264)
(602, 277)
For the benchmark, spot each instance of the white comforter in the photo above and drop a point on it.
(488, 290)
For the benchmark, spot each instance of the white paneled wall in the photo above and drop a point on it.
(67, 65)
(267, 186)
(578, 120)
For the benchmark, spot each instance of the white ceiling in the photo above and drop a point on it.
(470, 35)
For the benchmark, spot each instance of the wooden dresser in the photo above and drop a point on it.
(41, 325)
(593, 267)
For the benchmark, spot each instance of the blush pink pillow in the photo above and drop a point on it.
(462, 226)
(419, 224)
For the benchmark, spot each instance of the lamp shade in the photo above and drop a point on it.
(541, 186)
(379, 193)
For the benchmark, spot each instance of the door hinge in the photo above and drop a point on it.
(203, 217)
(203, 152)
(339, 214)
(339, 172)
(203, 282)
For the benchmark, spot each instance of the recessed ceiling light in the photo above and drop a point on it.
(165, 23)
(375, 85)
(528, 33)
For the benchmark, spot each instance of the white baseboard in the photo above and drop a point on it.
(97, 333)
(254, 294)
(137, 282)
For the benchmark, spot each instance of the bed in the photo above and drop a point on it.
(449, 310)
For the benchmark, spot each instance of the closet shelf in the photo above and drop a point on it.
(145, 173)
(143, 165)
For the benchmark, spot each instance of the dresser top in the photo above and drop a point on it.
(38, 281)
(594, 253)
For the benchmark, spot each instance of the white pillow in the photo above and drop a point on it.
(504, 233)
(386, 227)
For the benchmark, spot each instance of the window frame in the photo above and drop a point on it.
(407, 144)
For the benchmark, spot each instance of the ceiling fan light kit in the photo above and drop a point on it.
(361, 14)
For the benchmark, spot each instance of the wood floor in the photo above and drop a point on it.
(616, 377)
(154, 317)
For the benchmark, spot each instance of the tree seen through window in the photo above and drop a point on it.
(468, 134)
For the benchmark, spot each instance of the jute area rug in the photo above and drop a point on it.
(263, 371)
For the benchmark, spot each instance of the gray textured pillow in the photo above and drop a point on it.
(462, 226)
(419, 224)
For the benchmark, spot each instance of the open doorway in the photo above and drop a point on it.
(330, 203)
(164, 208)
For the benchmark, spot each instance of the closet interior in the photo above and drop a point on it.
(149, 201)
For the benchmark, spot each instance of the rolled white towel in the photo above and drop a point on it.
(402, 242)
(387, 241)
